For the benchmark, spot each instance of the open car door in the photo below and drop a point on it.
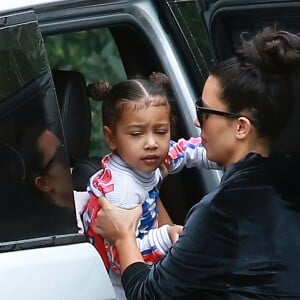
(42, 255)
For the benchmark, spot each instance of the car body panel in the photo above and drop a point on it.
(38, 262)
(63, 272)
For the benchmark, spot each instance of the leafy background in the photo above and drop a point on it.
(96, 56)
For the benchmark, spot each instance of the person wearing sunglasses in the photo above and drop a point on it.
(48, 180)
(241, 241)
(46, 166)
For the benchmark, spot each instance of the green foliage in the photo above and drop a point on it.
(96, 56)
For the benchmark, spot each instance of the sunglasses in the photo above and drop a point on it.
(204, 112)
(59, 157)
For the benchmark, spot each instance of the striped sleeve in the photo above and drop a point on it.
(155, 244)
(189, 153)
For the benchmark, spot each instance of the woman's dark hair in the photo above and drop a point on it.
(144, 92)
(259, 79)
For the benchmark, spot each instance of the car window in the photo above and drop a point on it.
(190, 32)
(36, 188)
(96, 55)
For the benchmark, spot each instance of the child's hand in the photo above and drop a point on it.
(174, 231)
(163, 170)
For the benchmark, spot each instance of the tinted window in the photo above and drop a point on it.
(36, 189)
(191, 35)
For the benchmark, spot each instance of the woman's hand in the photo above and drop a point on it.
(114, 223)
(118, 226)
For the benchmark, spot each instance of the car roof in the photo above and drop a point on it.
(23, 4)
(26, 4)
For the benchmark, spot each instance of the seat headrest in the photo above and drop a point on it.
(75, 112)
(83, 170)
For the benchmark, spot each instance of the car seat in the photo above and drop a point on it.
(75, 112)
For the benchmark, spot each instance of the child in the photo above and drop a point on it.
(136, 126)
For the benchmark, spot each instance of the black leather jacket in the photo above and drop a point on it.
(241, 241)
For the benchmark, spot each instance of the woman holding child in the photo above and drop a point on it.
(240, 241)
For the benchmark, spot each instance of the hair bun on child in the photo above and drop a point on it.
(98, 90)
(159, 78)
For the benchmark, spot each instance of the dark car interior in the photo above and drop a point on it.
(27, 96)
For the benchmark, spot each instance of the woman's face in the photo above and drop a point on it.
(217, 132)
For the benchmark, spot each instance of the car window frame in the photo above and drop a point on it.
(19, 21)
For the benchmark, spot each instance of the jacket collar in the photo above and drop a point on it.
(251, 160)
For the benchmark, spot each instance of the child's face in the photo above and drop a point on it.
(141, 137)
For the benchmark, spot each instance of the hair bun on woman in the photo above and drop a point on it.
(273, 50)
(98, 90)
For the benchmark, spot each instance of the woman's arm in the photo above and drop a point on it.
(128, 251)
(118, 226)
(200, 254)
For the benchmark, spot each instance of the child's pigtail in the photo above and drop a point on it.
(160, 78)
(98, 90)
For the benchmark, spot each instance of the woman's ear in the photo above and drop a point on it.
(42, 184)
(109, 138)
(243, 128)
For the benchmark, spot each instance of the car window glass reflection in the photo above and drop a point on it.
(35, 180)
